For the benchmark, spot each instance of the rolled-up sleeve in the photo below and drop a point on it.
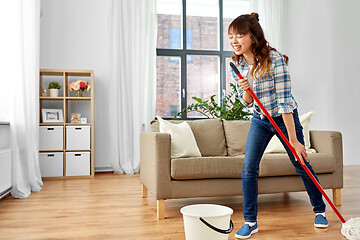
(282, 86)
(248, 105)
(240, 91)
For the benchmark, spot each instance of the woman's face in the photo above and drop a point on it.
(241, 43)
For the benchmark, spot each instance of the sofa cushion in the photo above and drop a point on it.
(231, 167)
(206, 167)
(183, 143)
(236, 132)
(279, 165)
(209, 135)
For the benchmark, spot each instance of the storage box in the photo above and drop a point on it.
(77, 137)
(77, 164)
(51, 164)
(51, 137)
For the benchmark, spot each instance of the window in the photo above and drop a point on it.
(175, 41)
(193, 51)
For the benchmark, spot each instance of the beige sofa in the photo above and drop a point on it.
(218, 171)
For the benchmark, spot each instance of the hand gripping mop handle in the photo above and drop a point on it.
(289, 145)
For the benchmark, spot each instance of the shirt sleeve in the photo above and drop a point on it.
(240, 91)
(282, 86)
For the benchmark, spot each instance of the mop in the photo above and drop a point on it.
(351, 228)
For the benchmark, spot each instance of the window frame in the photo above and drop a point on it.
(184, 52)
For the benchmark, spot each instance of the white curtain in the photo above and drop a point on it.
(20, 24)
(271, 18)
(132, 79)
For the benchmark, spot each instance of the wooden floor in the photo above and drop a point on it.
(110, 207)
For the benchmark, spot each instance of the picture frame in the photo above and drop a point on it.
(83, 120)
(52, 115)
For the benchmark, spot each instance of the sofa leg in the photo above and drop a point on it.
(337, 196)
(144, 191)
(160, 209)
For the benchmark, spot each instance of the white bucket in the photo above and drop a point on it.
(207, 221)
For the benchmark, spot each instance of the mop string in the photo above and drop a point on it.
(317, 184)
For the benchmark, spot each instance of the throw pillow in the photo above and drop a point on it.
(275, 146)
(183, 143)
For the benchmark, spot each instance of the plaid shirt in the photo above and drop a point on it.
(273, 92)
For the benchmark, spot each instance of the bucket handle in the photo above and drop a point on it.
(227, 231)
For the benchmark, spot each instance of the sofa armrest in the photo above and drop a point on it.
(330, 142)
(155, 156)
(326, 142)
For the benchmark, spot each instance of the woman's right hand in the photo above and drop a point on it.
(244, 84)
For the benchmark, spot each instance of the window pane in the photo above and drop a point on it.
(231, 10)
(175, 38)
(167, 86)
(202, 79)
(202, 18)
(169, 24)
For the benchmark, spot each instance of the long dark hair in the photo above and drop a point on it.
(249, 23)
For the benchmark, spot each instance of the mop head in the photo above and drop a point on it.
(351, 229)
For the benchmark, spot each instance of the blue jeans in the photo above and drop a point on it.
(260, 133)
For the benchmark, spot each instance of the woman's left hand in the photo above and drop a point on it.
(300, 151)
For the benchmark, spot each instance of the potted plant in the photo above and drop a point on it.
(54, 89)
(230, 107)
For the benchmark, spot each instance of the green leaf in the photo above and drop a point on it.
(227, 108)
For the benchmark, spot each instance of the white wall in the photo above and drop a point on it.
(74, 35)
(322, 41)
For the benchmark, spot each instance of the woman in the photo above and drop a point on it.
(267, 74)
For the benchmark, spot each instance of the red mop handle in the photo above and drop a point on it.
(289, 145)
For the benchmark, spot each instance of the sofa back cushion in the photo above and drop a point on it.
(236, 132)
(209, 135)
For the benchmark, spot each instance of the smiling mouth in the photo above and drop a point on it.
(237, 48)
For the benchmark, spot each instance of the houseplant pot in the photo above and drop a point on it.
(54, 92)
(54, 89)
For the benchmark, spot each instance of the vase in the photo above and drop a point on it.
(79, 94)
(54, 92)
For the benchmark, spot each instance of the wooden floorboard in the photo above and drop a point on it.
(111, 207)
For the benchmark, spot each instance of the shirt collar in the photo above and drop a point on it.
(242, 64)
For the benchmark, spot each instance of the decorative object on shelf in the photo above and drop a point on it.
(52, 115)
(83, 120)
(45, 93)
(79, 87)
(54, 89)
(75, 117)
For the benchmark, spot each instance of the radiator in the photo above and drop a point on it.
(5, 172)
(5, 160)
